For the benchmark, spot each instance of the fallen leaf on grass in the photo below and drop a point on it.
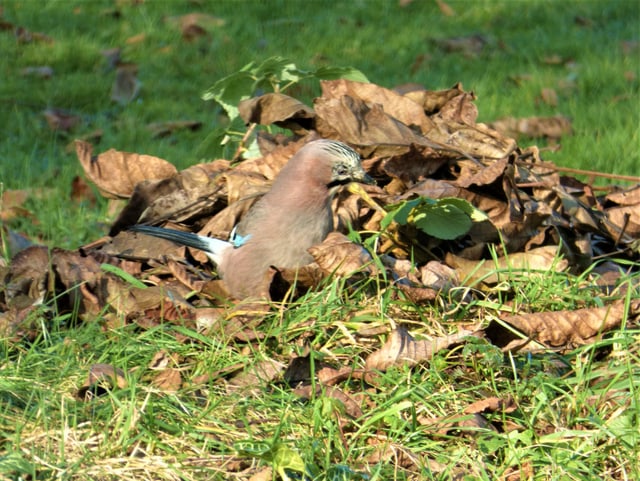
(338, 255)
(117, 173)
(470, 46)
(491, 272)
(81, 191)
(257, 375)
(534, 127)
(61, 120)
(555, 329)
(163, 129)
(549, 97)
(101, 379)
(193, 25)
(168, 380)
(349, 405)
(401, 348)
(26, 36)
(126, 85)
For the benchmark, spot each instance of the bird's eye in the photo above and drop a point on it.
(342, 170)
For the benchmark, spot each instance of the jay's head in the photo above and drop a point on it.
(333, 163)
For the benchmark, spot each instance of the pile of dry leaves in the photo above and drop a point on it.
(415, 143)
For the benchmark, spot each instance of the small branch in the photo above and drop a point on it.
(591, 173)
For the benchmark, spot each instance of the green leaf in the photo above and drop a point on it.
(444, 221)
(287, 458)
(400, 212)
(231, 90)
(333, 73)
(474, 213)
(446, 218)
(259, 449)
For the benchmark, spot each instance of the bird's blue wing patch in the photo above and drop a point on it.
(238, 240)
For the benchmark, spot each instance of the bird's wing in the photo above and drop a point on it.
(213, 248)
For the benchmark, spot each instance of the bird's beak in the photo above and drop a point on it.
(362, 177)
(367, 179)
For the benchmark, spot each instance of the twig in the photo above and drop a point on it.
(591, 173)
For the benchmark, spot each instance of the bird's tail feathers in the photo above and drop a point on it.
(212, 247)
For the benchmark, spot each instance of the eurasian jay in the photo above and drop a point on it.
(277, 231)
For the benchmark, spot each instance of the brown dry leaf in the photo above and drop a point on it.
(433, 100)
(534, 127)
(117, 173)
(338, 255)
(565, 329)
(257, 375)
(302, 278)
(470, 46)
(126, 85)
(367, 126)
(28, 280)
(465, 423)
(460, 109)
(84, 282)
(25, 36)
(163, 129)
(265, 474)
(102, 378)
(329, 376)
(397, 106)
(278, 109)
(193, 25)
(541, 259)
(138, 38)
(272, 161)
(629, 196)
(491, 404)
(240, 322)
(11, 205)
(59, 119)
(419, 295)
(439, 276)
(351, 406)
(477, 140)
(486, 173)
(168, 380)
(182, 272)
(81, 191)
(445, 8)
(186, 194)
(401, 348)
(625, 216)
(388, 452)
(549, 96)
(413, 165)
(626, 219)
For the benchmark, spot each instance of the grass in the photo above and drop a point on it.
(576, 415)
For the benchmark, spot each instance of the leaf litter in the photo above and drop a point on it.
(424, 148)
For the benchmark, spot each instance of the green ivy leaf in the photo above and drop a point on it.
(444, 221)
(333, 73)
(231, 90)
(287, 458)
(446, 218)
